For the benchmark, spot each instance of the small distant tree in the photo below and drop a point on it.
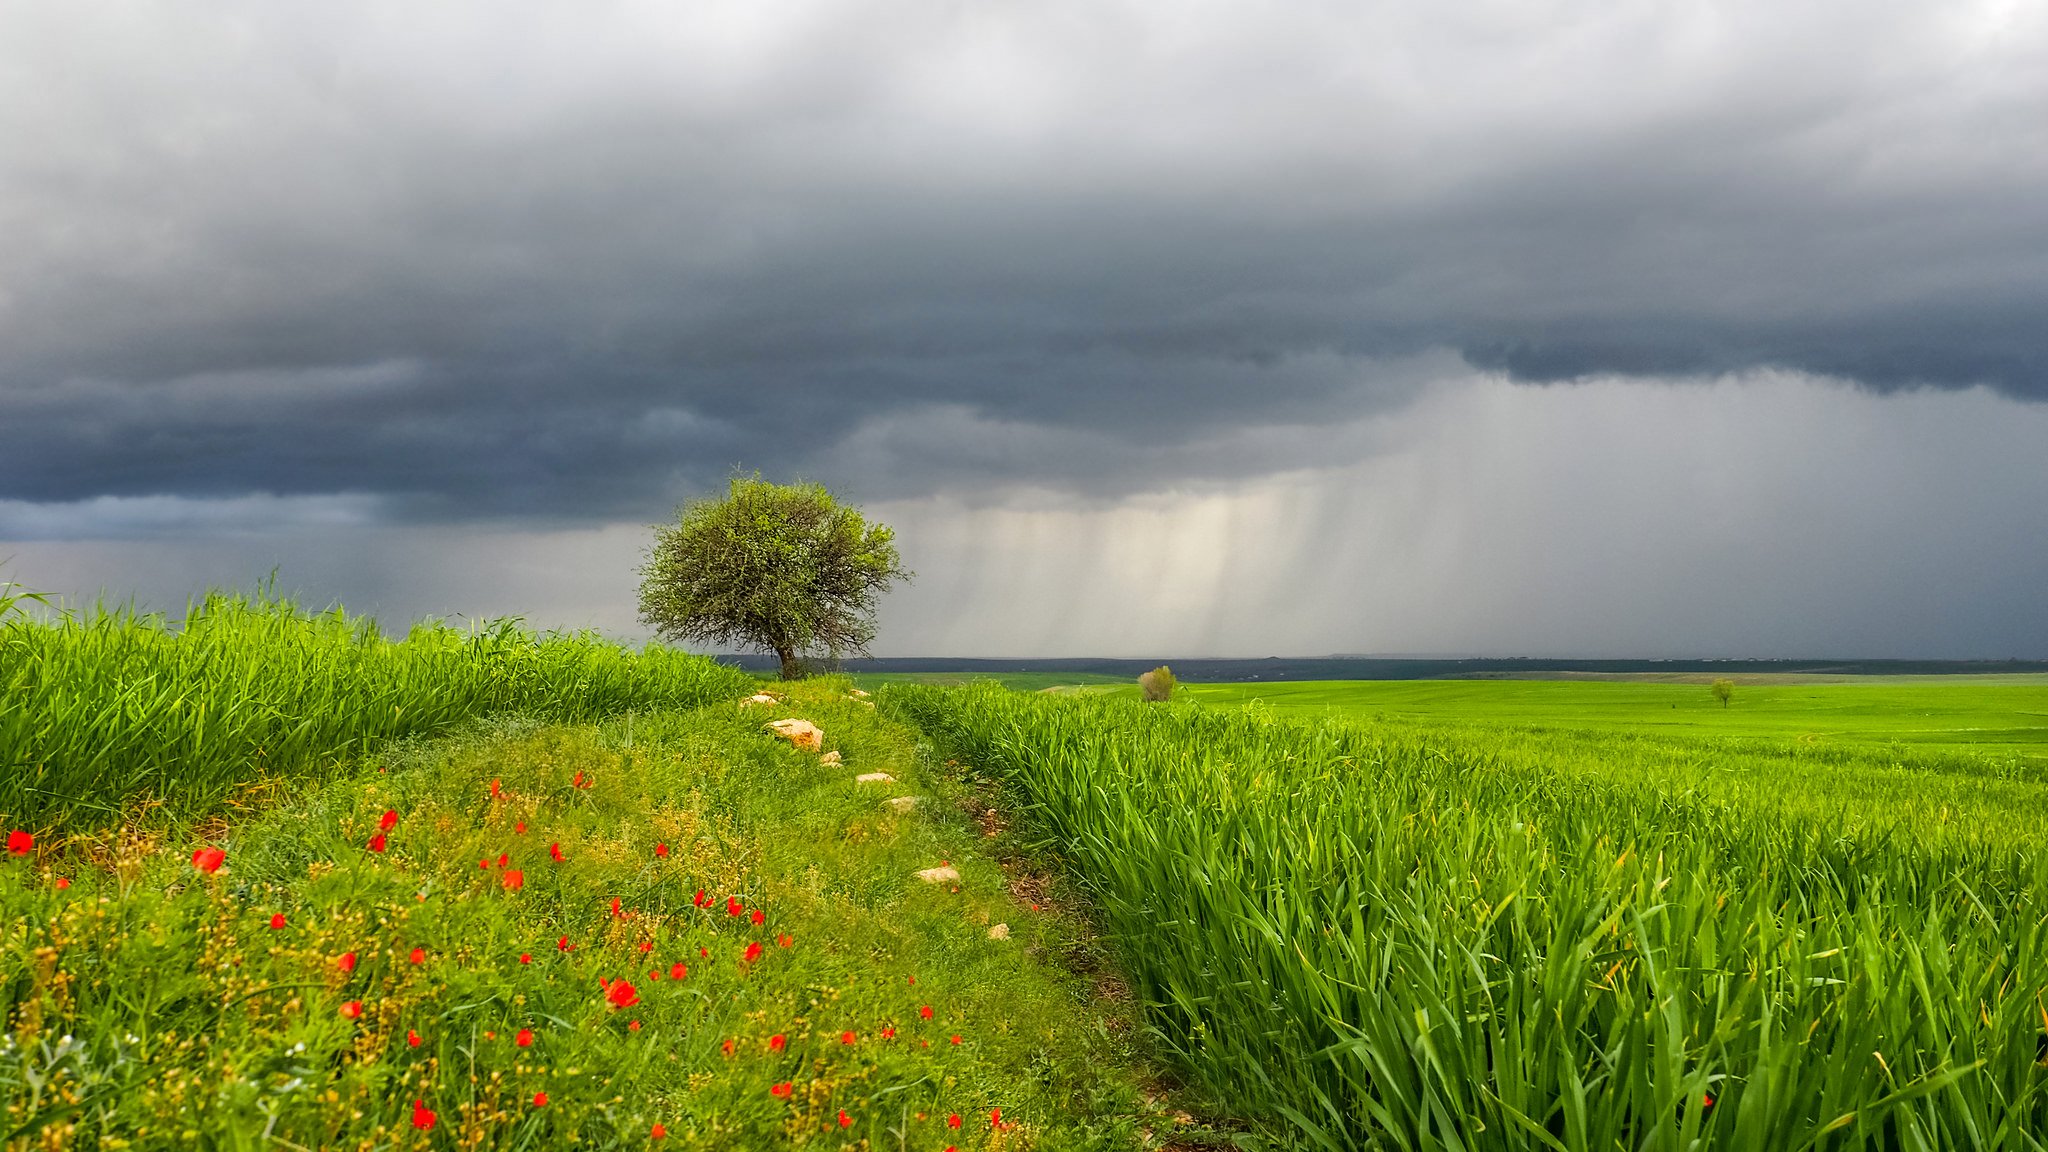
(779, 567)
(1158, 684)
(1723, 689)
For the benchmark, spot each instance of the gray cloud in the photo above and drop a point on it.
(501, 261)
(1763, 515)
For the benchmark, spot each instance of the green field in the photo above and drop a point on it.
(1424, 916)
(1509, 925)
(1997, 717)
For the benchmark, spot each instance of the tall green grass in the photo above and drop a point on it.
(1374, 938)
(108, 713)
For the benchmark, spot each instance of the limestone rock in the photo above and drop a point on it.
(760, 698)
(801, 733)
(999, 932)
(902, 803)
(874, 778)
(831, 757)
(943, 874)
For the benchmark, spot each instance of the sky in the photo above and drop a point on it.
(1564, 328)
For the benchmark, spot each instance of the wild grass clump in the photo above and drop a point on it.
(109, 713)
(1157, 685)
(1375, 940)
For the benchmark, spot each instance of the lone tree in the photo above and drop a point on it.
(1723, 689)
(782, 567)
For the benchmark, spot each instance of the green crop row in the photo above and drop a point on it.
(108, 713)
(1369, 936)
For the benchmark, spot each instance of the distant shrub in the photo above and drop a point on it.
(1158, 684)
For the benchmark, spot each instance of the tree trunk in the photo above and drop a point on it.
(791, 670)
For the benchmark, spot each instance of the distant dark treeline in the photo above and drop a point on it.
(1366, 668)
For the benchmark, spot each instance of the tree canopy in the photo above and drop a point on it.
(780, 567)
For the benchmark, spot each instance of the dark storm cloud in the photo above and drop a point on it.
(508, 261)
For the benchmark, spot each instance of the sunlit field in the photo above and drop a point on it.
(1438, 933)
(273, 880)
(1993, 716)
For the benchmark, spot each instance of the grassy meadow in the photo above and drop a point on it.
(276, 880)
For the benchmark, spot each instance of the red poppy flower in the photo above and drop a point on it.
(20, 843)
(633, 1027)
(422, 1116)
(657, 1133)
(846, 1037)
(524, 1038)
(346, 962)
(520, 827)
(1707, 1100)
(563, 945)
(513, 879)
(995, 1117)
(910, 979)
(388, 821)
(494, 788)
(62, 882)
(621, 994)
(209, 859)
(485, 864)
(956, 1038)
(555, 852)
(418, 956)
(753, 953)
(412, 1038)
(784, 940)
(661, 850)
(703, 953)
(352, 1010)
(758, 917)
(526, 957)
(376, 843)
(277, 919)
(888, 1033)
(953, 1121)
(616, 914)
(779, 1091)
(504, 858)
(726, 1047)
(702, 900)
(778, 1042)
(924, 1011)
(540, 1099)
(578, 781)
(678, 971)
(733, 907)
(845, 1121)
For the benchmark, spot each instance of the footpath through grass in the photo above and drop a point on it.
(671, 928)
(1380, 936)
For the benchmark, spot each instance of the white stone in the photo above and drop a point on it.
(874, 778)
(760, 698)
(999, 932)
(943, 874)
(802, 733)
(902, 803)
(829, 758)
